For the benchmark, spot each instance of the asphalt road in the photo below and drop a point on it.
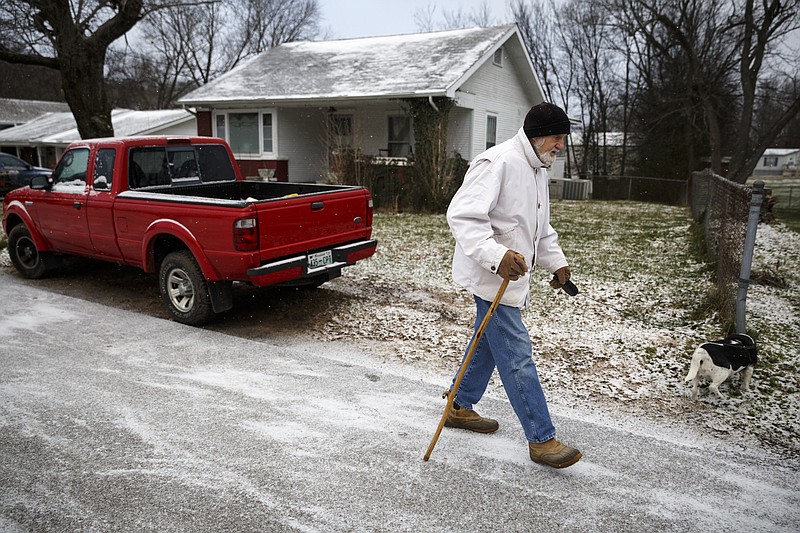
(112, 420)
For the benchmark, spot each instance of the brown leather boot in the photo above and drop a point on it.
(458, 417)
(553, 453)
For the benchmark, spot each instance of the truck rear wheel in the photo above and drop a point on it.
(184, 289)
(24, 254)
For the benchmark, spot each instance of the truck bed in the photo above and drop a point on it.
(238, 192)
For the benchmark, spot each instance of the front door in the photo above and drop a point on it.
(62, 210)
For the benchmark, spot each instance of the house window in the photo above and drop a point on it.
(221, 126)
(399, 136)
(491, 131)
(771, 161)
(266, 132)
(243, 136)
(340, 128)
(498, 57)
(249, 133)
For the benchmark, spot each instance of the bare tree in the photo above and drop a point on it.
(481, 16)
(764, 25)
(71, 37)
(708, 49)
(552, 55)
(585, 28)
(274, 22)
(30, 82)
(192, 40)
(187, 45)
(424, 18)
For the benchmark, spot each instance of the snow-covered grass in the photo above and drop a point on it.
(624, 342)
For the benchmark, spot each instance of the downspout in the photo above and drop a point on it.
(433, 105)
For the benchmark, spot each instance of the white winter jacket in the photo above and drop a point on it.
(504, 203)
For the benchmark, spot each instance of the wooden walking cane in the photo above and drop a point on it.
(451, 395)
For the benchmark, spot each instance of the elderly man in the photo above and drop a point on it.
(500, 218)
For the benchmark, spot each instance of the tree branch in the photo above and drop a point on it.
(28, 59)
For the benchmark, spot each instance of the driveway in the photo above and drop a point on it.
(112, 420)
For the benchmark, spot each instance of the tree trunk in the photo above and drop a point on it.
(85, 90)
(80, 34)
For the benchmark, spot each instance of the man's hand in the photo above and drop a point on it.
(562, 275)
(512, 266)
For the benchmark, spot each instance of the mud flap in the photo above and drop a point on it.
(51, 261)
(221, 294)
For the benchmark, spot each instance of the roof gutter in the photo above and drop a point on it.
(309, 100)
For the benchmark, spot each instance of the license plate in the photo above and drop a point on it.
(320, 259)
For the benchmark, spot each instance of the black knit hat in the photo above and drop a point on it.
(545, 119)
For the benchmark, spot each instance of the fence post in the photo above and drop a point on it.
(747, 255)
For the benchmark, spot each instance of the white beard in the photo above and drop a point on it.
(548, 159)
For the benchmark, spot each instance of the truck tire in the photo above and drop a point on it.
(184, 289)
(25, 256)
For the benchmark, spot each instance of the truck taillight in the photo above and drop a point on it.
(369, 213)
(245, 235)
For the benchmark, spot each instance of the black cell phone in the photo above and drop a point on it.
(568, 287)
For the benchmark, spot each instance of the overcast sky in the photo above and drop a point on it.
(365, 18)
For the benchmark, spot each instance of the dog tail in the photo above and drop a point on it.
(694, 367)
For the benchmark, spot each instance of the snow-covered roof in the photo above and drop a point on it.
(780, 152)
(420, 64)
(15, 111)
(60, 128)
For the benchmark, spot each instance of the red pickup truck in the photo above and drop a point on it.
(179, 207)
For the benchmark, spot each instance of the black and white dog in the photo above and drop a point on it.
(718, 360)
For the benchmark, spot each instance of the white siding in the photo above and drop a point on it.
(459, 132)
(371, 125)
(496, 91)
(780, 159)
(301, 140)
(187, 128)
(302, 135)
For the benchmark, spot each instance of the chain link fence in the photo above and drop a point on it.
(787, 196)
(640, 189)
(729, 213)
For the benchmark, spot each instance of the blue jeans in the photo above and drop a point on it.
(506, 344)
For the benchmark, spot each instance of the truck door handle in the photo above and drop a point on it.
(77, 205)
(316, 206)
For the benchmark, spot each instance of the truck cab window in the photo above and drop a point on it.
(104, 168)
(70, 174)
(148, 166)
(183, 165)
(214, 162)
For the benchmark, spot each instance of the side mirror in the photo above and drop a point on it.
(41, 182)
(101, 183)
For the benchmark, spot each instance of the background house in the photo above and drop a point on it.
(41, 141)
(14, 112)
(779, 162)
(292, 108)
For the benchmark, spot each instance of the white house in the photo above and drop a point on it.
(14, 111)
(289, 107)
(778, 162)
(41, 141)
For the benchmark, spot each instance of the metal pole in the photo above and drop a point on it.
(747, 255)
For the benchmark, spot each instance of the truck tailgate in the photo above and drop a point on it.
(299, 224)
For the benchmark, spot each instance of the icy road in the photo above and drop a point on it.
(117, 421)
